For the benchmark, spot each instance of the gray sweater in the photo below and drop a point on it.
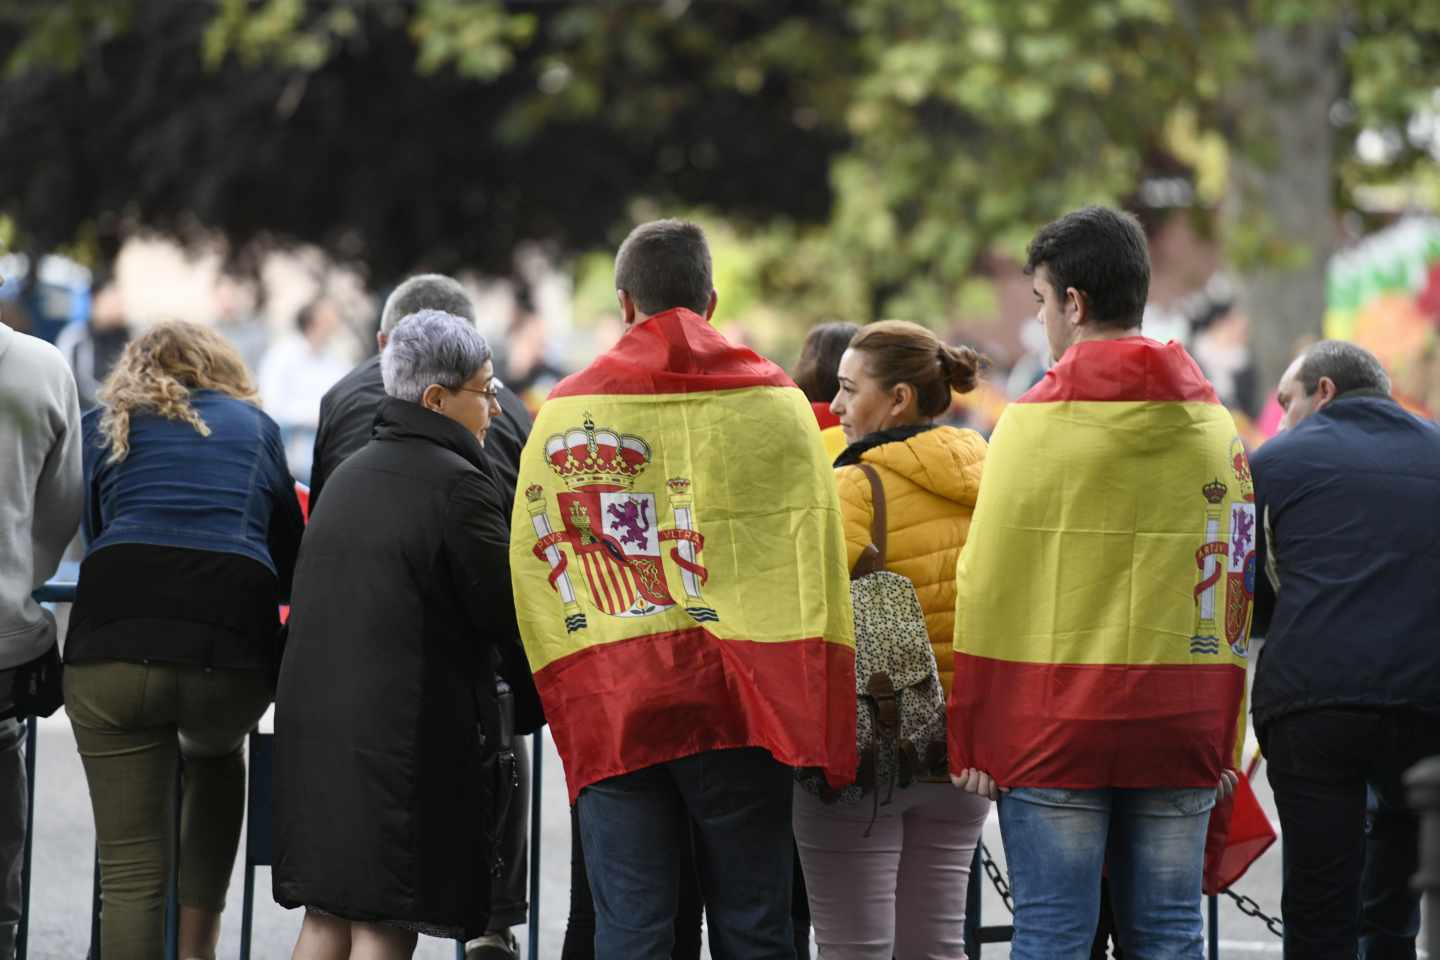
(41, 490)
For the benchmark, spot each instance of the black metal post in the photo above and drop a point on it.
(22, 938)
(95, 908)
(172, 885)
(247, 911)
(973, 905)
(1212, 935)
(1423, 783)
(537, 767)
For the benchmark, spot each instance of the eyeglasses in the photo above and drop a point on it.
(493, 393)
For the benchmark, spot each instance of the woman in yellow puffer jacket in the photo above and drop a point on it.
(900, 890)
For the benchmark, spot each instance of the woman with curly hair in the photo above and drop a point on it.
(192, 527)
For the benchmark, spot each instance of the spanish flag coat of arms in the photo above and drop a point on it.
(1104, 593)
(678, 561)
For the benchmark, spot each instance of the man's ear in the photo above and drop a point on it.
(1075, 302)
(710, 310)
(627, 307)
(381, 338)
(1325, 392)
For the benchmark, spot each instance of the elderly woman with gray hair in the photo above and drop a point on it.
(385, 763)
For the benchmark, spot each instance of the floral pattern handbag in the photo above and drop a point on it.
(900, 705)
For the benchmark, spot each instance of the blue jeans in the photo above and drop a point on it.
(633, 826)
(1152, 842)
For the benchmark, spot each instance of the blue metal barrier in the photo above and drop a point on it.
(56, 591)
(259, 837)
(63, 591)
(259, 840)
(259, 846)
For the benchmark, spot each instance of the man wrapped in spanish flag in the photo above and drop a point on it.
(680, 581)
(1103, 612)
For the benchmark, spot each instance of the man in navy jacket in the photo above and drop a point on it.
(1347, 691)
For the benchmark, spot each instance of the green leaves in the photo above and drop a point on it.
(56, 36)
(477, 37)
(274, 31)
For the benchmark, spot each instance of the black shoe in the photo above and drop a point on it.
(493, 946)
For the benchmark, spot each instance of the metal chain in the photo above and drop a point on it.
(993, 872)
(1252, 909)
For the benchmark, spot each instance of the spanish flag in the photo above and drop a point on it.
(678, 561)
(1103, 610)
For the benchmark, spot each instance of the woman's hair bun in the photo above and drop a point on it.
(962, 367)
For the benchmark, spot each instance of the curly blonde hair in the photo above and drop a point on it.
(158, 370)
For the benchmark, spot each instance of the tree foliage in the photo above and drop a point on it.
(440, 134)
(870, 152)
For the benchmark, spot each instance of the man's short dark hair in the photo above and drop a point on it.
(1349, 367)
(1101, 253)
(426, 291)
(665, 264)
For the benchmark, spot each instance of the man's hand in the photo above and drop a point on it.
(978, 782)
(1228, 781)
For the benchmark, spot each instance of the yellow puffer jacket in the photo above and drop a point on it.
(931, 479)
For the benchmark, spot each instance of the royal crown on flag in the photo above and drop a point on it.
(589, 456)
(1215, 491)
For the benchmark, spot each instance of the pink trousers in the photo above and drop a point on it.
(899, 892)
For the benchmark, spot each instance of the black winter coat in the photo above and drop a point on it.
(401, 608)
(1349, 503)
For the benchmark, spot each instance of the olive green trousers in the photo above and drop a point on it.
(134, 723)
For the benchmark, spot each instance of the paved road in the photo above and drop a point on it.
(64, 848)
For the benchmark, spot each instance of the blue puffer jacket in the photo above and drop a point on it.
(176, 488)
(1351, 505)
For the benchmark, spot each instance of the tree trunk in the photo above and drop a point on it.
(1279, 213)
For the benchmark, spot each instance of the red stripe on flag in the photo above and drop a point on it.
(677, 351)
(627, 577)
(614, 581)
(598, 586)
(595, 593)
(619, 707)
(1130, 368)
(1086, 726)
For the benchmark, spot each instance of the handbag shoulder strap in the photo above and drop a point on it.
(878, 524)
